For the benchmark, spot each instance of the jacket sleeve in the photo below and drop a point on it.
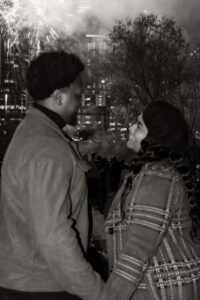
(48, 185)
(149, 215)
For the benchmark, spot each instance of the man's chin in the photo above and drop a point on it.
(73, 121)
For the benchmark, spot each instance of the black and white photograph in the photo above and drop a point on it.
(99, 150)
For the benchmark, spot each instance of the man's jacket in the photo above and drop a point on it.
(44, 213)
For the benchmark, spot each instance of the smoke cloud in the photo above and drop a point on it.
(99, 16)
(186, 13)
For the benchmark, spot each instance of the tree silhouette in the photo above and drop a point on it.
(150, 54)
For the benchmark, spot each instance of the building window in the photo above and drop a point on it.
(91, 46)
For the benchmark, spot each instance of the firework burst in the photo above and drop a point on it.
(29, 25)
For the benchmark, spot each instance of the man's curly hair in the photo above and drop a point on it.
(51, 71)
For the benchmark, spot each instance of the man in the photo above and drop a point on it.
(44, 219)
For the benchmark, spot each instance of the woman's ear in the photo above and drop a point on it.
(57, 97)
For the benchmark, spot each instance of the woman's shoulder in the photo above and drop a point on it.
(162, 168)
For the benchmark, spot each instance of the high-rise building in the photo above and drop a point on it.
(93, 112)
(12, 96)
(95, 117)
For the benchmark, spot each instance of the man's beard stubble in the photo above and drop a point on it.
(72, 119)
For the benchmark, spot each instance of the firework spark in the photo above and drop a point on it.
(38, 21)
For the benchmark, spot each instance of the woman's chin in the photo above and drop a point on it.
(131, 145)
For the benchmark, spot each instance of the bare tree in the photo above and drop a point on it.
(150, 54)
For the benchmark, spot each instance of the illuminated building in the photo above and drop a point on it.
(117, 124)
(96, 110)
(12, 97)
(93, 117)
(93, 112)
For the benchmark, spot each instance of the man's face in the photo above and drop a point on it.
(71, 101)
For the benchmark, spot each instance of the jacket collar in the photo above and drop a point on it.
(51, 114)
(45, 120)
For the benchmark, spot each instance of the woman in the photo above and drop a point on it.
(153, 225)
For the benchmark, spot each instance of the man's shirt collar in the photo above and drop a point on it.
(51, 114)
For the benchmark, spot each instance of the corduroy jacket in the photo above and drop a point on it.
(44, 213)
(151, 254)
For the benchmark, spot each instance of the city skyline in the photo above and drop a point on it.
(91, 19)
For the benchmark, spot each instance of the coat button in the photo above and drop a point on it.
(111, 230)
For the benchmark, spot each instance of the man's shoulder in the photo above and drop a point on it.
(38, 144)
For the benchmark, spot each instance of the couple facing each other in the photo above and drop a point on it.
(152, 227)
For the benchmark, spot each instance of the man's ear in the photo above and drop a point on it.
(57, 97)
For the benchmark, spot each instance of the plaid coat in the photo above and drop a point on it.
(151, 254)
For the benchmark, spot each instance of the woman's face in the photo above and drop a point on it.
(137, 133)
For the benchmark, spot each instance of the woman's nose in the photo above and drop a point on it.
(132, 128)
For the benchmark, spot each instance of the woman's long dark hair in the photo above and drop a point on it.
(185, 164)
